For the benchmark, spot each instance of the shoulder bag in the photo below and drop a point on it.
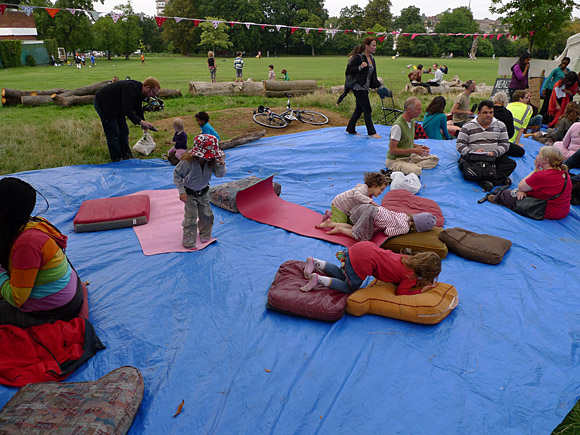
(479, 167)
(535, 208)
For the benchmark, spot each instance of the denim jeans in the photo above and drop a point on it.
(117, 134)
(346, 283)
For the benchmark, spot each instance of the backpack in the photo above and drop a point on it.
(414, 75)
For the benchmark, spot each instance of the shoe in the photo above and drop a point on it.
(309, 267)
(508, 182)
(313, 282)
(486, 185)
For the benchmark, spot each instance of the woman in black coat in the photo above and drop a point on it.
(363, 69)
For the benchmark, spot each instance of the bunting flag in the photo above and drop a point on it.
(196, 23)
(293, 29)
(332, 32)
(465, 36)
(414, 36)
(248, 26)
(115, 16)
(178, 19)
(72, 11)
(320, 30)
(52, 11)
(475, 36)
(499, 36)
(142, 17)
(160, 21)
(232, 23)
(532, 33)
(485, 36)
(263, 26)
(215, 24)
(307, 30)
(26, 9)
(278, 26)
(95, 15)
(2, 9)
(381, 38)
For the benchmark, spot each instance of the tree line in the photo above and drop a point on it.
(79, 32)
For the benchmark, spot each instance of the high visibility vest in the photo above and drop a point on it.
(522, 114)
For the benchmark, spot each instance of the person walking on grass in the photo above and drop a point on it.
(239, 67)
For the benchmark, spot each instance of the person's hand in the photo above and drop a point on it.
(222, 160)
(428, 287)
(490, 153)
(481, 150)
(363, 65)
(557, 107)
(183, 197)
(146, 124)
(543, 93)
(470, 113)
(374, 203)
(521, 195)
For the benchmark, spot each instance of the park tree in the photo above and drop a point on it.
(538, 20)
(458, 20)
(378, 12)
(106, 35)
(214, 38)
(129, 31)
(152, 35)
(421, 46)
(409, 16)
(351, 18)
(312, 38)
(182, 35)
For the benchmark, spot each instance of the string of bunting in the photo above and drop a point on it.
(381, 36)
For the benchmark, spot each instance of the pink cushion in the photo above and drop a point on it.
(111, 213)
(285, 296)
(403, 201)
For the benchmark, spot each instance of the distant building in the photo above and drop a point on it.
(492, 26)
(17, 25)
(160, 6)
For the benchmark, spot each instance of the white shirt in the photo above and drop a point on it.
(396, 131)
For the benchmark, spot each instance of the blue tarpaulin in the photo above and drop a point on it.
(196, 324)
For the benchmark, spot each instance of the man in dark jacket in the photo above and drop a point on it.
(123, 99)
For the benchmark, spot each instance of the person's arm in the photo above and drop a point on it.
(462, 143)
(568, 137)
(548, 81)
(455, 110)
(520, 75)
(219, 167)
(422, 150)
(354, 65)
(444, 126)
(26, 263)
(179, 174)
(503, 142)
(361, 194)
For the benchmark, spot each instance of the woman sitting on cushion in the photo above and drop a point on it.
(37, 283)
(549, 178)
(435, 120)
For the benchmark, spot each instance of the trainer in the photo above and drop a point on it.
(123, 99)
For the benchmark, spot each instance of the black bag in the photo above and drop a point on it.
(479, 167)
(351, 79)
(535, 208)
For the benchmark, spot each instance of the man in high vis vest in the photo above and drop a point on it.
(522, 113)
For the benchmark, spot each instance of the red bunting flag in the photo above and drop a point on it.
(381, 38)
(499, 36)
(475, 36)
(160, 20)
(2, 9)
(485, 36)
(320, 29)
(263, 26)
(293, 29)
(532, 33)
(414, 35)
(372, 33)
(52, 12)
(232, 23)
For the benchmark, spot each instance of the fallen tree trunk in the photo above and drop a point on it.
(11, 101)
(72, 100)
(48, 92)
(241, 140)
(273, 85)
(226, 88)
(86, 90)
(291, 92)
(169, 93)
(8, 93)
(36, 100)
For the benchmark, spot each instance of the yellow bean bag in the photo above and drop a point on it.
(418, 242)
(427, 308)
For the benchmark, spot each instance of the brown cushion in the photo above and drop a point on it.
(427, 308)
(224, 195)
(321, 303)
(105, 406)
(418, 242)
(403, 201)
(478, 247)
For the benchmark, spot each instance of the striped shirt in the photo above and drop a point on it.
(346, 201)
(473, 137)
(393, 223)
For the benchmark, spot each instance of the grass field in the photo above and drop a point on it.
(51, 136)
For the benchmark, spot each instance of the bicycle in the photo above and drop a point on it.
(264, 116)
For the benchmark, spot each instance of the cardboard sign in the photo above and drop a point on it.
(535, 84)
(501, 85)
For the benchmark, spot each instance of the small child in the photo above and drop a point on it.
(239, 67)
(374, 184)
(285, 74)
(179, 142)
(367, 218)
(413, 274)
(202, 119)
(271, 73)
(211, 66)
(191, 176)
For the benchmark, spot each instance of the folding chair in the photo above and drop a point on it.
(388, 114)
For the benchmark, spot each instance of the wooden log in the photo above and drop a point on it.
(226, 88)
(11, 101)
(50, 91)
(273, 85)
(86, 90)
(169, 93)
(72, 100)
(241, 140)
(36, 100)
(337, 89)
(292, 92)
(6, 92)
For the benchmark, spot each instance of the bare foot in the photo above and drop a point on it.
(335, 230)
(325, 224)
(376, 136)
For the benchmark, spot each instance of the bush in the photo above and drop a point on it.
(10, 53)
(51, 47)
(30, 60)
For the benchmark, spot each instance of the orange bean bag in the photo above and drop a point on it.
(379, 298)
(418, 242)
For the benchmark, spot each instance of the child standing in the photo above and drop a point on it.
(367, 218)
(413, 274)
(285, 74)
(271, 73)
(374, 184)
(239, 67)
(202, 119)
(142, 59)
(211, 66)
(191, 176)
(179, 142)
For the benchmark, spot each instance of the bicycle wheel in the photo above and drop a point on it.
(311, 117)
(270, 120)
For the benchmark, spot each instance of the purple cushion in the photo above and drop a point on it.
(285, 296)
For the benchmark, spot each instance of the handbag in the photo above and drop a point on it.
(479, 167)
(535, 208)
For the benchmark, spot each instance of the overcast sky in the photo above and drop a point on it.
(480, 8)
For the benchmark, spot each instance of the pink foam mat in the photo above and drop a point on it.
(261, 204)
(164, 233)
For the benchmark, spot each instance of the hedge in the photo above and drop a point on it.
(51, 47)
(11, 52)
